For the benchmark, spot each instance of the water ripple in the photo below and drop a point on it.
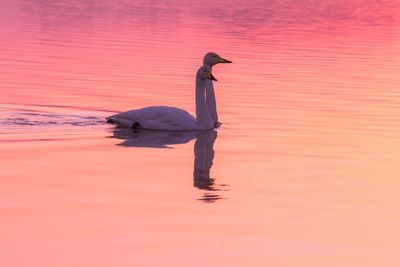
(47, 119)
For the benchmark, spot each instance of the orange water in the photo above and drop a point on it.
(303, 172)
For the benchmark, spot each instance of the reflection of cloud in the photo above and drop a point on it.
(203, 152)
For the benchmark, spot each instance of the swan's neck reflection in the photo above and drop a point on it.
(203, 152)
(203, 160)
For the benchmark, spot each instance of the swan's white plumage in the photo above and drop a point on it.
(175, 119)
(170, 118)
(157, 118)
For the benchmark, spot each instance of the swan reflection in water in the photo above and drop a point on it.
(203, 152)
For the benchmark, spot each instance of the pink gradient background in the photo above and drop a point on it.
(306, 162)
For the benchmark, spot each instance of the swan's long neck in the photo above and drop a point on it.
(210, 98)
(202, 115)
(211, 101)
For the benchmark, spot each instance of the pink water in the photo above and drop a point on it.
(303, 172)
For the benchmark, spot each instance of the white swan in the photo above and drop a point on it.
(171, 118)
(211, 59)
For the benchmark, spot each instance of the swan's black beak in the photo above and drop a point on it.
(223, 60)
(210, 76)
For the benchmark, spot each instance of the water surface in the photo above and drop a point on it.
(303, 172)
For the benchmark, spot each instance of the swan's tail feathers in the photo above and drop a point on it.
(110, 120)
(136, 125)
(124, 122)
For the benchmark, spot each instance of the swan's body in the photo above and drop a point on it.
(156, 118)
(170, 118)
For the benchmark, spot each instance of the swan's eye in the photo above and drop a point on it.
(214, 56)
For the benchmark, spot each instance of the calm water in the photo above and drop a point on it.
(304, 171)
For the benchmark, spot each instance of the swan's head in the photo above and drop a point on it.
(211, 59)
(205, 73)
